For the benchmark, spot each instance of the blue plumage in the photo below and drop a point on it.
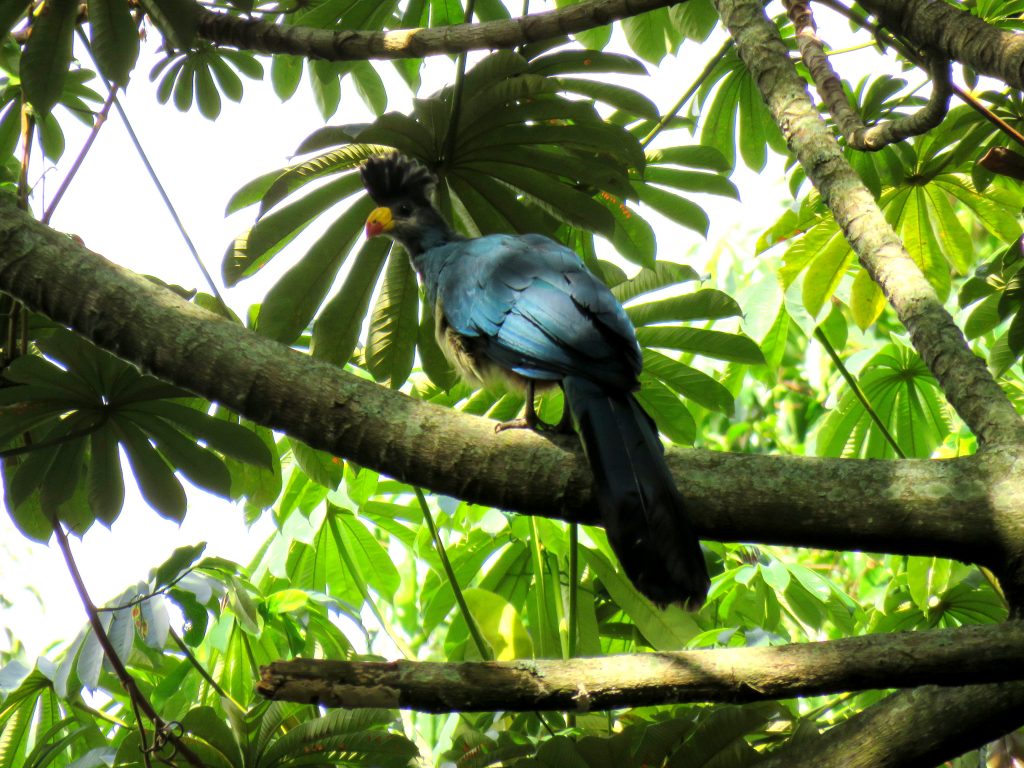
(524, 309)
(530, 305)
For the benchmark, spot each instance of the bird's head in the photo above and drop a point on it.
(401, 188)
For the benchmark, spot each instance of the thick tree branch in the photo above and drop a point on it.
(970, 509)
(955, 34)
(922, 727)
(968, 385)
(830, 87)
(344, 45)
(947, 657)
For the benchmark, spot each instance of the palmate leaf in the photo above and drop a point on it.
(292, 302)
(337, 328)
(906, 398)
(359, 735)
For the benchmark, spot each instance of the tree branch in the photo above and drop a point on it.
(970, 508)
(955, 34)
(921, 727)
(830, 88)
(968, 385)
(344, 45)
(947, 657)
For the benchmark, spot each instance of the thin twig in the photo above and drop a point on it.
(830, 87)
(156, 182)
(851, 381)
(482, 646)
(98, 121)
(906, 51)
(122, 674)
(457, 89)
(697, 83)
(183, 647)
(137, 600)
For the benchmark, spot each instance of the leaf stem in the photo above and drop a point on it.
(857, 391)
(457, 89)
(645, 142)
(99, 120)
(357, 577)
(482, 646)
(156, 182)
(138, 701)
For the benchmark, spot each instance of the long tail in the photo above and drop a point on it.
(643, 512)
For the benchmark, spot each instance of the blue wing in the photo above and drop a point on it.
(530, 306)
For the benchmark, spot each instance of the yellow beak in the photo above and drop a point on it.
(379, 221)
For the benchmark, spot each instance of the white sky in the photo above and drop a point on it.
(114, 208)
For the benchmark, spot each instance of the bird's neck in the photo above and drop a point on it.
(434, 234)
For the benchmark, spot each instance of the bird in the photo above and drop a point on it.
(523, 311)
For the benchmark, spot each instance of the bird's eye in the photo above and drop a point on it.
(404, 209)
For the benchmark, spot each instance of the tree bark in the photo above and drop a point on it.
(964, 379)
(947, 31)
(970, 508)
(946, 657)
(919, 728)
(346, 45)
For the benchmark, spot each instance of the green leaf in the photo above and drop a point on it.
(668, 630)
(705, 304)
(564, 62)
(207, 95)
(664, 274)
(370, 87)
(649, 35)
(632, 237)
(176, 19)
(684, 212)
(291, 303)
(667, 410)
(435, 364)
(500, 624)
(717, 344)
(319, 466)
(695, 19)
(689, 382)
(202, 467)
(373, 561)
(180, 560)
(47, 56)
(336, 330)
(285, 75)
(394, 324)
(558, 199)
(620, 97)
(867, 302)
(691, 181)
(115, 39)
(824, 274)
(159, 487)
(231, 439)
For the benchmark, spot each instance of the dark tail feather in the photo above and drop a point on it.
(643, 512)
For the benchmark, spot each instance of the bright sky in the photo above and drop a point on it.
(113, 206)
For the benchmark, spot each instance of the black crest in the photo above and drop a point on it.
(395, 177)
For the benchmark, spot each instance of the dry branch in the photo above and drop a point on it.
(344, 45)
(947, 657)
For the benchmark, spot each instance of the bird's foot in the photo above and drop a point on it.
(525, 422)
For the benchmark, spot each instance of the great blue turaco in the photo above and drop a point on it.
(523, 309)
